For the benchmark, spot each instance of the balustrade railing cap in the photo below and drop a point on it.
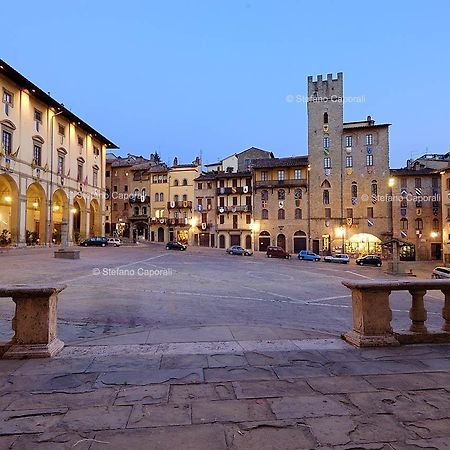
(25, 290)
(398, 285)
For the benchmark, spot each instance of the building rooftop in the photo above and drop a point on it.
(405, 171)
(128, 161)
(291, 161)
(7, 71)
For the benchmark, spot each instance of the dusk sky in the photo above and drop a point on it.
(180, 77)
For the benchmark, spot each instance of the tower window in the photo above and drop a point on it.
(369, 160)
(325, 117)
(349, 161)
(349, 141)
(326, 197)
(354, 190)
(326, 142)
(327, 163)
(369, 139)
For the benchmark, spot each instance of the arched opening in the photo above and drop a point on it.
(281, 214)
(60, 211)
(281, 241)
(362, 244)
(263, 241)
(248, 242)
(299, 241)
(160, 234)
(9, 202)
(221, 241)
(94, 218)
(35, 224)
(78, 219)
(141, 231)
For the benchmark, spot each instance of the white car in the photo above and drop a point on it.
(340, 258)
(441, 272)
(114, 241)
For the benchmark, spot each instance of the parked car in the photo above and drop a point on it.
(306, 255)
(98, 241)
(114, 241)
(441, 272)
(369, 260)
(238, 250)
(174, 245)
(277, 252)
(340, 258)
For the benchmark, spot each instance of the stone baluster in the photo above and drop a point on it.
(418, 313)
(446, 311)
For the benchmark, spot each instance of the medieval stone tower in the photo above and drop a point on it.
(348, 176)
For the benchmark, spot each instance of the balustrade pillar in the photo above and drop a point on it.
(446, 311)
(418, 313)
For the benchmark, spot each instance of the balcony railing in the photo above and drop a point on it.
(138, 217)
(234, 190)
(179, 204)
(234, 209)
(139, 199)
(169, 221)
(372, 313)
(281, 183)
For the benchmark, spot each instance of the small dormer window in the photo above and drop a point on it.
(8, 100)
(37, 119)
(96, 151)
(80, 141)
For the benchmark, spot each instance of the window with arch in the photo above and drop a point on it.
(184, 197)
(298, 213)
(298, 194)
(435, 225)
(404, 203)
(354, 189)
(175, 198)
(264, 214)
(325, 117)
(156, 197)
(184, 182)
(374, 187)
(161, 197)
(326, 197)
(144, 210)
(419, 224)
(264, 195)
(404, 224)
(136, 210)
(136, 192)
(326, 184)
(175, 183)
(281, 194)
(281, 214)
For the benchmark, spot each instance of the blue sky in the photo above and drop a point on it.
(181, 77)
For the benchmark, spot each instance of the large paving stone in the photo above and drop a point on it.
(145, 395)
(184, 393)
(115, 363)
(376, 367)
(301, 370)
(6, 442)
(331, 430)
(269, 436)
(239, 373)
(98, 397)
(230, 411)
(436, 363)
(227, 360)
(409, 381)
(193, 437)
(29, 421)
(430, 404)
(54, 440)
(190, 334)
(54, 366)
(144, 416)
(416, 444)
(96, 418)
(430, 428)
(339, 385)
(283, 358)
(309, 406)
(151, 377)
(9, 366)
(183, 361)
(272, 388)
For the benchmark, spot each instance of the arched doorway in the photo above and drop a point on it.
(299, 241)
(221, 241)
(141, 230)
(35, 224)
(281, 241)
(9, 203)
(78, 219)
(248, 242)
(160, 234)
(94, 218)
(60, 211)
(264, 241)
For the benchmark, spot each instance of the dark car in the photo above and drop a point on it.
(97, 241)
(369, 260)
(277, 252)
(174, 245)
(238, 250)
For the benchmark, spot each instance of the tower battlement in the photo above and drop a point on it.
(328, 87)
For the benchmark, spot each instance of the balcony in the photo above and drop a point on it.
(138, 217)
(234, 190)
(179, 204)
(300, 182)
(139, 199)
(234, 209)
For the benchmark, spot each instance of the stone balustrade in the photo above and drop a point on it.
(372, 314)
(34, 323)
